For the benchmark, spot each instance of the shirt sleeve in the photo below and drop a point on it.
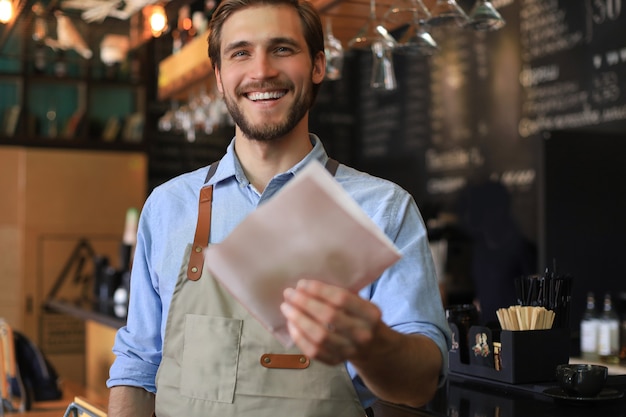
(138, 344)
(407, 293)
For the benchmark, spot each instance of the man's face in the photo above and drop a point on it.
(266, 72)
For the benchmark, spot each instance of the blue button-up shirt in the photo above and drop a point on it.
(407, 293)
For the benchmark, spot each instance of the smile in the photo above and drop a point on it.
(266, 95)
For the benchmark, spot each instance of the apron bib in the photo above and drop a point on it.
(220, 361)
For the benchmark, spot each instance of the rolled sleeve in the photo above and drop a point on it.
(408, 292)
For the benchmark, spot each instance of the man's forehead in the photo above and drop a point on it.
(262, 23)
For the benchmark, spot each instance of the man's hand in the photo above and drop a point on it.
(329, 323)
(334, 325)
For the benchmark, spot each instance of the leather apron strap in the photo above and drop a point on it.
(203, 226)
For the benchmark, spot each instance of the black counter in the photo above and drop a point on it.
(466, 396)
(462, 395)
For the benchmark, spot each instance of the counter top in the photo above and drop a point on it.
(465, 396)
(103, 314)
(461, 396)
(57, 408)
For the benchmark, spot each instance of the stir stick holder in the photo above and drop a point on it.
(519, 357)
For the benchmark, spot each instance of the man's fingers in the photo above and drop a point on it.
(351, 304)
(328, 323)
(314, 339)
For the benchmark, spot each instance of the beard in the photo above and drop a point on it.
(266, 132)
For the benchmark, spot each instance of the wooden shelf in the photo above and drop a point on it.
(189, 67)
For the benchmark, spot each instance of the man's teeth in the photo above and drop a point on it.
(268, 95)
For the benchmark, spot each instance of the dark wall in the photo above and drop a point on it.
(478, 112)
(584, 201)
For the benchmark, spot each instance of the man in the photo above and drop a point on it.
(390, 341)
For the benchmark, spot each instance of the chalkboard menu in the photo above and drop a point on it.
(476, 110)
(394, 127)
(476, 101)
(574, 65)
(333, 116)
(394, 123)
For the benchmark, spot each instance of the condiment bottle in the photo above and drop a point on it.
(608, 333)
(589, 330)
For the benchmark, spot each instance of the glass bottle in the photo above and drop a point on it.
(608, 333)
(39, 58)
(622, 349)
(60, 65)
(622, 336)
(589, 330)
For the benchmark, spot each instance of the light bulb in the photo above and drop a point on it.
(158, 20)
(6, 11)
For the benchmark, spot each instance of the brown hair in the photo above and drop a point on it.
(309, 17)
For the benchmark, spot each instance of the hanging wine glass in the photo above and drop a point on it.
(334, 53)
(383, 73)
(417, 39)
(402, 13)
(373, 31)
(414, 15)
(447, 12)
(485, 17)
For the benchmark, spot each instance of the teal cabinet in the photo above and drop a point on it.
(58, 98)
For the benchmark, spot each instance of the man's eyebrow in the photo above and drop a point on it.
(284, 40)
(272, 42)
(235, 45)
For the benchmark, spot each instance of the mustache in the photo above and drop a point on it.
(264, 86)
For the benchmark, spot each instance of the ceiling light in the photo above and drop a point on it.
(6, 11)
(158, 20)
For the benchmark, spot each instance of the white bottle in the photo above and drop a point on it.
(589, 330)
(608, 333)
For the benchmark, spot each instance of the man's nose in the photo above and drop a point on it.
(264, 66)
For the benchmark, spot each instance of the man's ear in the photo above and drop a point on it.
(319, 68)
(218, 79)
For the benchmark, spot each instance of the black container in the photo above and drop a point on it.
(525, 356)
(463, 316)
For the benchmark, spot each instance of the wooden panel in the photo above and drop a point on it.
(349, 16)
(81, 190)
(99, 357)
(52, 200)
(191, 65)
(71, 195)
(10, 209)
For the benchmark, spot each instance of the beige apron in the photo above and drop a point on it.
(219, 361)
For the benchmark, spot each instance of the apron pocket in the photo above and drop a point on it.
(210, 357)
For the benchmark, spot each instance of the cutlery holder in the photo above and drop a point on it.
(523, 356)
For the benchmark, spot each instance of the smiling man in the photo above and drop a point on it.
(189, 348)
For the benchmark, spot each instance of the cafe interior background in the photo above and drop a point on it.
(510, 137)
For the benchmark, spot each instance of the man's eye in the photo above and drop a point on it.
(237, 54)
(283, 50)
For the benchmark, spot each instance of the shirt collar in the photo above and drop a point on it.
(230, 166)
